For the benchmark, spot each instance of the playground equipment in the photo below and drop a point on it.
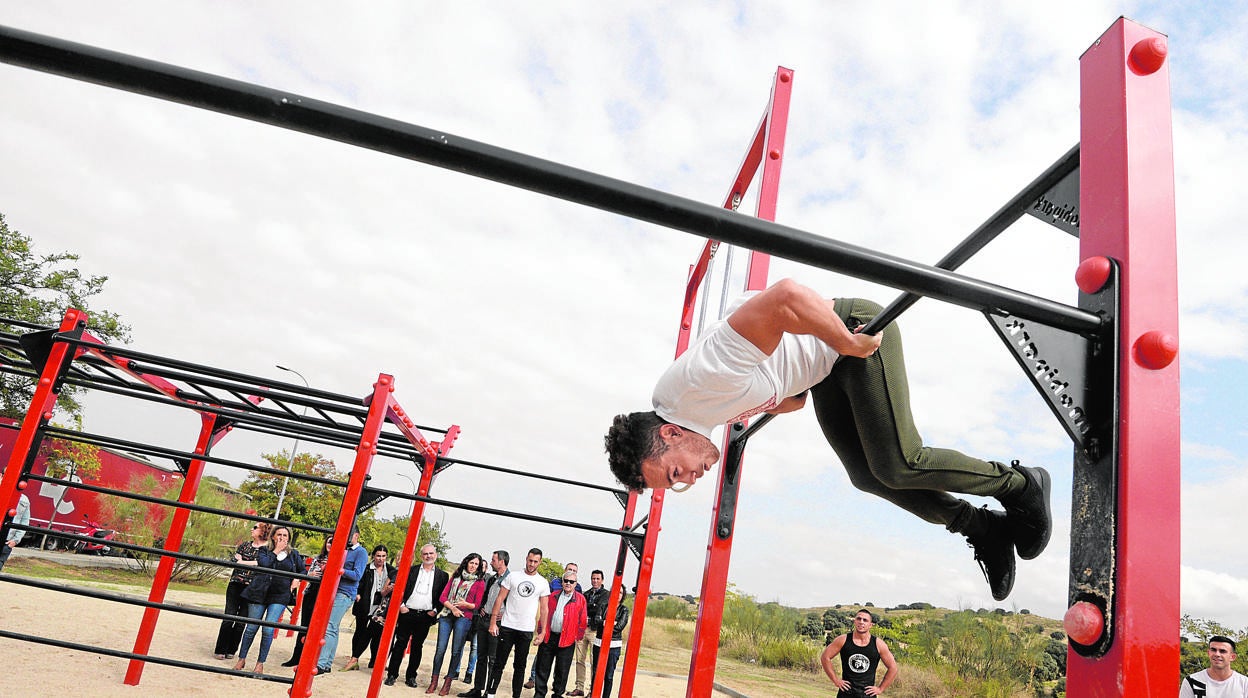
(1106, 367)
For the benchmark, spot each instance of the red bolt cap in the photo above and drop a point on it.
(1084, 623)
(1092, 274)
(12, 513)
(1156, 349)
(21, 484)
(775, 154)
(1148, 55)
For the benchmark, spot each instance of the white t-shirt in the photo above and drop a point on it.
(524, 593)
(1234, 687)
(723, 378)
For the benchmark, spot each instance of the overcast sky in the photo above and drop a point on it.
(529, 321)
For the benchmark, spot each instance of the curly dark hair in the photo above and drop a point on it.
(632, 439)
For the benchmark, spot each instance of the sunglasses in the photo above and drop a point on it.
(569, 581)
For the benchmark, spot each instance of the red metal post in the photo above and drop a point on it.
(630, 508)
(364, 452)
(719, 550)
(42, 406)
(173, 541)
(632, 649)
(1127, 213)
(431, 450)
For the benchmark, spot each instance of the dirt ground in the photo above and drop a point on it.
(38, 671)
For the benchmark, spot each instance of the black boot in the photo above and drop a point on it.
(1030, 516)
(988, 533)
(390, 679)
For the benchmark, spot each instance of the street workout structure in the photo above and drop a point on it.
(1106, 368)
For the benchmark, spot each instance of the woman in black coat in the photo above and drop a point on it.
(370, 608)
(268, 595)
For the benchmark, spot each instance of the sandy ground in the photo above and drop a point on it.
(37, 671)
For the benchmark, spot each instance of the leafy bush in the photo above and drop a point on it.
(669, 607)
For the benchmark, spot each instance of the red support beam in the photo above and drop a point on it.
(39, 413)
(431, 450)
(770, 151)
(378, 406)
(173, 541)
(596, 682)
(1127, 214)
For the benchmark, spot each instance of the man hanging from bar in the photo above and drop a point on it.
(775, 346)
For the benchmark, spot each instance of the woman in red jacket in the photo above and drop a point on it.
(568, 621)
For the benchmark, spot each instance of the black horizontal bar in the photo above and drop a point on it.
(133, 601)
(988, 231)
(535, 476)
(530, 517)
(147, 449)
(152, 659)
(446, 150)
(161, 552)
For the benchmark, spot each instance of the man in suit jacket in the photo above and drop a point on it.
(417, 613)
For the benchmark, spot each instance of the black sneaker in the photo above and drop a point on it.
(1029, 513)
(411, 683)
(390, 679)
(471, 693)
(994, 551)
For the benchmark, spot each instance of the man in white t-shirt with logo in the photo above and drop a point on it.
(520, 602)
(780, 343)
(1219, 680)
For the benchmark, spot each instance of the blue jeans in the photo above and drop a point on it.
(342, 604)
(455, 630)
(472, 657)
(269, 612)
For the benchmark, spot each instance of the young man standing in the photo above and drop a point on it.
(511, 621)
(861, 654)
(487, 644)
(778, 344)
(1219, 680)
(353, 567)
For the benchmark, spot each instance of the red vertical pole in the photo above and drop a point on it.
(1127, 213)
(39, 413)
(364, 452)
(400, 579)
(596, 682)
(173, 541)
(632, 649)
(719, 550)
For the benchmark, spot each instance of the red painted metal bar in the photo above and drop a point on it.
(364, 452)
(719, 550)
(745, 174)
(632, 649)
(173, 541)
(432, 451)
(1127, 213)
(42, 406)
(596, 683)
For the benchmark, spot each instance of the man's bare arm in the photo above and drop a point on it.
(886, 657)
(787, 306)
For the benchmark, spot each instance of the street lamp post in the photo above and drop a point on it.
(281, 497)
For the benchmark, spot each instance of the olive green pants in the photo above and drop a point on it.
(863, 407)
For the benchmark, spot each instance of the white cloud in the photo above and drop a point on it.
(530, 321)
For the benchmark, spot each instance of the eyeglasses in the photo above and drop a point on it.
(569, 581)
(255, 527)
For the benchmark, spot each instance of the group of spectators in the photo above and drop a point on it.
(487, 607)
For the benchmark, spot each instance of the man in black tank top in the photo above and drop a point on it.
(861, 654)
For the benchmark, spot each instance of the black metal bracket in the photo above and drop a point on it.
(730, 484)
(1059, 206)
(1078, 377)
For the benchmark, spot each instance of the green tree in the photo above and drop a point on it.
(38, 289)
(312, 503)
(207, 535)
(70, 461)
(393, 531)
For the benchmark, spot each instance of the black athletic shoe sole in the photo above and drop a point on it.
(1031, 536)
